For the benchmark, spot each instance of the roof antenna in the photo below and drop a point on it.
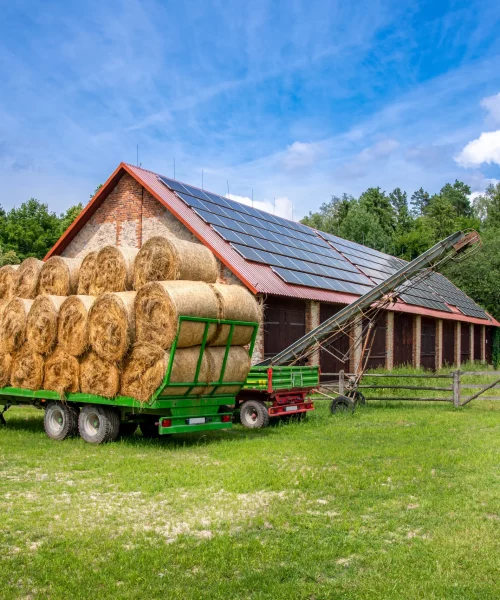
(137, 155)
(174, 168)
(227, 180)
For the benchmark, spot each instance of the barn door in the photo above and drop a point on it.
(465, 343)
(403, 339)
(378, 348)
(428, 343)
(448, 342)
(284, 323)
(330, 356)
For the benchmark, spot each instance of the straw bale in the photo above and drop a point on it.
(237, 367)
(8, 276)
(235, 303)
(13, 325)
(41, 323)
(86, 273)
(26, 282)
(27, 369)
(98, 376)
(113, 270)
(73, 324)
(159, 304)
(62, 373)
(166, 259)
(111, 324)
(143, 371)
(5, 368)
(59, 276)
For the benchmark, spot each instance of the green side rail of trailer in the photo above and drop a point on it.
(277, 378)
(183, 412)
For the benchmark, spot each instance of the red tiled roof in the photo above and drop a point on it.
(259, 278)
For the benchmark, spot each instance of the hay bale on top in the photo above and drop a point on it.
(5, 368)
(159, 304)
(59, 276)
(166, 259)
(98, 376)
(143, 371)
(26, 281)
(238, 304)
(27, 369)
(41, 323)
(73, 324)
(8, 276)
(112, 324)
(237, 367)
(13, 324)
(61, 373)
(113, 270)
(86, 272)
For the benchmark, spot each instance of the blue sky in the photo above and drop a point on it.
(295, 100)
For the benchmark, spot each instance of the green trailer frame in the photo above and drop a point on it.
(175, 413)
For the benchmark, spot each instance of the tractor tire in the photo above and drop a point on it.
(98, 424)
(149, 430)
(127, 428)
(60, 420)
(254, 414)
(341, 404)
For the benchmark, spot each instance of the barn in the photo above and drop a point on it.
(301, 276)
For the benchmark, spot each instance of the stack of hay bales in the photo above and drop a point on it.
(106, 324)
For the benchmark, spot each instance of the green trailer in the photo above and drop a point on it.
(98, 419)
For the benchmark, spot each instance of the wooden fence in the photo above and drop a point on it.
(460, 392)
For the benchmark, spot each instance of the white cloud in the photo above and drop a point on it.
(485, 149)
(282, 207)
(492, 105)
(378, 150)
(300, 154)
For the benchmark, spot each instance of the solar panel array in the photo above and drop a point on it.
(302, 256)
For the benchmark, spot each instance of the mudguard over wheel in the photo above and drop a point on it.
(253, 414)
(341, 404)
(98, 424)
(60, 420)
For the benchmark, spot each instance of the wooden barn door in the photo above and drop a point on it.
(339, 347)
(403, 339)
(448, 343)
(284, 323)
(465, 343)
(489, 344)
(477, 342)
(428, 343)
(378, 349)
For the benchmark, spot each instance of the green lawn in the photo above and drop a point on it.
(397, 501)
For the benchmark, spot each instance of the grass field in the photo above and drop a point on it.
(394, 501)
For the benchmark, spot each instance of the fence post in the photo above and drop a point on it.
(341, 383)
(456, 388)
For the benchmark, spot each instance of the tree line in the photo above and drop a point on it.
(406, 227)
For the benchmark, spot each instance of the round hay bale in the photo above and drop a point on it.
(237, 367)
(166, 259)
(5, 368)
(184, 369)
(113, 270)
(59, 276)
(41, 323)
(98, 376)
(73, 324)
(62, 373)
(26, 282)
(8, 276)
(86, 273)
(27, 369)
(235, 303)
(13, 325)
(112, 324)
(143, 371)
(159, 304)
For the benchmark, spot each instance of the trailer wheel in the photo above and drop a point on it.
(98, 424)
(341, 404)
(253, 414)
(149, 429)
(127, 428)
(60, 420)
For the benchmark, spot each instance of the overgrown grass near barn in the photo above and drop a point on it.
(394, 501)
